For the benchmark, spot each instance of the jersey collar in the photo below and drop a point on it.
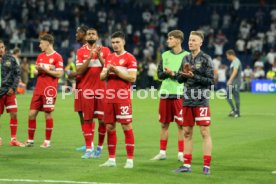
(120, 54)
(178, 53)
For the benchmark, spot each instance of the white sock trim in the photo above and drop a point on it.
(163, 152)
(187, 165)
(130, 160)
(112, 159)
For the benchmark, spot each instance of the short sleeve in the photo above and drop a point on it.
(132, 64)
(105, 52)
(79, 58)
(236, 64)
(59, 62)
(107, 60)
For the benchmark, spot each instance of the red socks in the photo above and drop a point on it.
(112, 141)
(207, 160)
(101, 132)
(129, 141)
(188, 159)
(31, 129)
(180, 146)
(49, 129)
(92, 130)
(87, 133)
(163, 145)
(13, 127)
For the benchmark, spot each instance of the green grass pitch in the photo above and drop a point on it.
(244, 149)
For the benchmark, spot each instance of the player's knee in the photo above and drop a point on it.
(31, 115)
(126, 127)
(101, 123)
(187, 134)
(205, 133)
(13, 115)
(165, 126)
(110, 128)
(180, 128)
(48, 116)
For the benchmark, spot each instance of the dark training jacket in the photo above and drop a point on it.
(10, 74)
(197, 89)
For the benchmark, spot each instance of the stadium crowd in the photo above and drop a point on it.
(249, 28)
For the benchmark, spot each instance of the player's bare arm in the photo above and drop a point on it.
(72, 75)
(130, 76)
(99, 51)
(54, 73)
(36, 71)
(232, 77)
(82, 68)
(104, 74)
(10, 92)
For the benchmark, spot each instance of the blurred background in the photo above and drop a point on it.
(247, 26)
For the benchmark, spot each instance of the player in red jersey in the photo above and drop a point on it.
(90, 62)
(9, 78)
(49, 66)
(81, 38)
(120, 72)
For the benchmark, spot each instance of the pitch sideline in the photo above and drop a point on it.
(50, 181)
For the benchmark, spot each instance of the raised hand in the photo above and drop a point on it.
(99, 51)
(169, 71)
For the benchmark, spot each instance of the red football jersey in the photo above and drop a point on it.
(78, 77)
(53, 61)
(91, 78)
(118, 90)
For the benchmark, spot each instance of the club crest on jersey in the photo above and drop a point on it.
(121, 61)
(197, 65)
(51, 60)
(8, 63)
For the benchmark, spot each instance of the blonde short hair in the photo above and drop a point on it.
(231, 52)
(198, 33)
